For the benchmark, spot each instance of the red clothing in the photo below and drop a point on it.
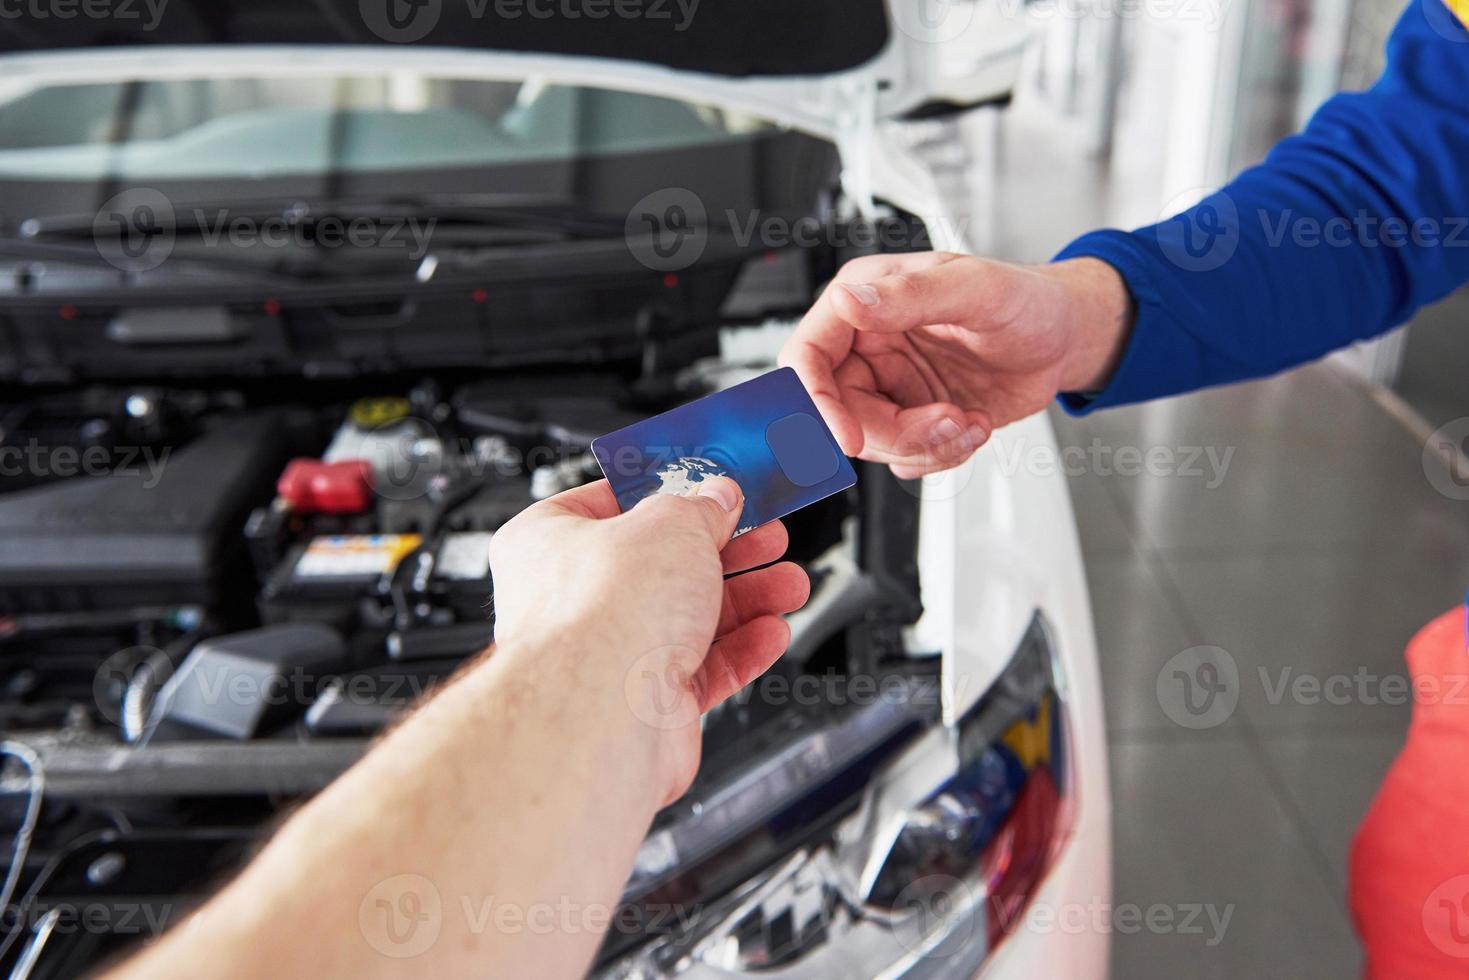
(1410, 859)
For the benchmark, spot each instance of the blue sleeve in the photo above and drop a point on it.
(1342, 233)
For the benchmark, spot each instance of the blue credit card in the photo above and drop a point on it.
(764, 434)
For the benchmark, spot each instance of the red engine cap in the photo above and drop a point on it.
(312, 486)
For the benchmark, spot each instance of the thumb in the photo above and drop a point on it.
(952, 292)
(715, 505)
(721, 501)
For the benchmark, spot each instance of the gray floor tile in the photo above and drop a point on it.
(1195, 826)
(1138, 633)
(1312, 464)
(1099, 521)
(1099, 516)
(1318, 641)
(1332, 780)
(1437, 337)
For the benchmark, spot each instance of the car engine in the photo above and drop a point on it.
(211, 600)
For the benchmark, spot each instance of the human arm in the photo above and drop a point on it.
(1340, 234)
(525, 787)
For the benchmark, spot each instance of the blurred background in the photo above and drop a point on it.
(1321, 551)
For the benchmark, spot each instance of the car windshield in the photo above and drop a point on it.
(486, 167)
(250, 129)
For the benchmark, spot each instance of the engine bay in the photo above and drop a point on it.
(211, 600)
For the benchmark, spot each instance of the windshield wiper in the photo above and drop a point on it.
(483, 216)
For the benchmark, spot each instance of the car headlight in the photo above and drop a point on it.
(926, 871)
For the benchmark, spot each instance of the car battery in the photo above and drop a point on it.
(333, 577)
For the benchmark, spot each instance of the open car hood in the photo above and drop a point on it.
(828, 66)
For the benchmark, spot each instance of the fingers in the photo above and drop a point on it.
(883, 294)
(760, 547)
(934, 436)
(752, 636)
(714, 506)
(769, 591)
(951, 289)
(594, 500)
(738, 658)
(821, 341)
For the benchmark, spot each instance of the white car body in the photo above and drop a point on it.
(998, 541)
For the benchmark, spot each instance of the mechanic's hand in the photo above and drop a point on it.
(648, 588)
(914, 359)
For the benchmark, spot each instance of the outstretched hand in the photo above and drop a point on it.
(914, 359)
(650, 586)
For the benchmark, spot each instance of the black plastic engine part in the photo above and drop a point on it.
(124, 538)
(243, 684)
(437, 642)
(367, 701)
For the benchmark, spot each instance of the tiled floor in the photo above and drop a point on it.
(1316, 551)
(1318, 554)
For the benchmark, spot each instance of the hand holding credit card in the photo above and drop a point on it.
(764, 434)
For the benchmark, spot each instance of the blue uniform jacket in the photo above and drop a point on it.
(1340, 234)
